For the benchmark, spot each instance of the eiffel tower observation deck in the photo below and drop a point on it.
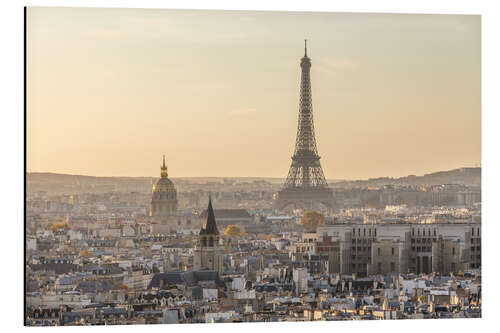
(305, 185)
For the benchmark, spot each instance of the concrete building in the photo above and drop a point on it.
(400, 247)
(300, 280)
(385, 257)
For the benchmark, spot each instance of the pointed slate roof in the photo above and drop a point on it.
(209, 226)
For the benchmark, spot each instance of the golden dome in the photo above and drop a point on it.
(163, 185)
(164, 195)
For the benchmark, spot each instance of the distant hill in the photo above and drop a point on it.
(463, 176)
(64, 183)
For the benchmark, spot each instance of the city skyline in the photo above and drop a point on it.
(157, 142)
(380, 110)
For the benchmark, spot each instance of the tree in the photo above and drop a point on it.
(86, 253)
(311, 220)
(58, 226)
(270, 236)
(234, 231)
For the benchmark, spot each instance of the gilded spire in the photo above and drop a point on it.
(164, 173)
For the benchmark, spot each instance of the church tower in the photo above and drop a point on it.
(207, 253)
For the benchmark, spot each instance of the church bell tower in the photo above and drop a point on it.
(207, 253)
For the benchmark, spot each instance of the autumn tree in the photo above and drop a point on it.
(311, 220)
(85, 253)
(234, 231)
(58, 226)
(270, 236)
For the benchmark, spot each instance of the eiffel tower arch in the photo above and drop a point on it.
(305, 185)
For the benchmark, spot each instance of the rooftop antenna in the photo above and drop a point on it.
(305, 47)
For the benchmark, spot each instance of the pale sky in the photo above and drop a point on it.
(112, 90)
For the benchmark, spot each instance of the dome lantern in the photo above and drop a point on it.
(164, 173)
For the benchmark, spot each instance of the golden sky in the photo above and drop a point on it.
(111, 90)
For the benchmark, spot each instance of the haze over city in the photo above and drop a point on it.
(224, 167)
(111, 90)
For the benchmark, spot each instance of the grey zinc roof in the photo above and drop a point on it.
(188, 278)
(229, 213)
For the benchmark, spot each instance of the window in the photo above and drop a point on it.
(378, 251)
(393, 267)
(364, 232)
(434, 232)
(379, 267)
(472, 231)
(453, 251)
(392, 251)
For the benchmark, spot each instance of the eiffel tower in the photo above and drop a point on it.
(305, 185)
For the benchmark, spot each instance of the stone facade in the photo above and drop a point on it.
(367, 249)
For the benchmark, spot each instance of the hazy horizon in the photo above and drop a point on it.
(109, 91)
(329, 179)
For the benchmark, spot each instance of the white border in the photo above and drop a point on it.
(11, 88)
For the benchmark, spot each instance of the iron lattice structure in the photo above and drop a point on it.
(305, 183)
